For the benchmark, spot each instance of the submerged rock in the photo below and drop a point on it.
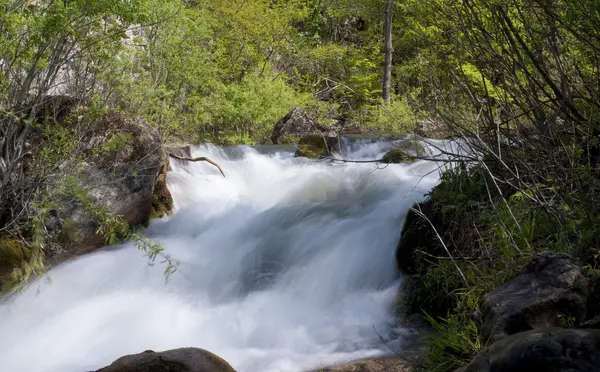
(396, 156)
(550, 291)
(371, 365)
(178, 360)
(317, 146)
(547, 350)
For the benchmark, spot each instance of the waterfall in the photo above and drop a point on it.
(286, 264)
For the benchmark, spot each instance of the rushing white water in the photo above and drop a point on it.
(286, 264)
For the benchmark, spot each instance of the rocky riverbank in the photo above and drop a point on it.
(113, 182)
(496, 303)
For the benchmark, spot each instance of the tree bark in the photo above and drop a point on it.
(387, 73)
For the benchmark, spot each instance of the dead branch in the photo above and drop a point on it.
(201, 158)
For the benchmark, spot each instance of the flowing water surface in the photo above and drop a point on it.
(286, 264)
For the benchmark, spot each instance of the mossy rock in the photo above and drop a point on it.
(13, 253)
(411, 146)
(316, 146)
(162, 200)
(397, 156)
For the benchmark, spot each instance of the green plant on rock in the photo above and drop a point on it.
(455, 343)
(114, 143)
(116, 230)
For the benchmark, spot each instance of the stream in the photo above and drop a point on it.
(285, 264)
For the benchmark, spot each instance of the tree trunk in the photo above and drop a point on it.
(387, 73)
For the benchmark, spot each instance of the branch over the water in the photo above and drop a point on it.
(201, 158)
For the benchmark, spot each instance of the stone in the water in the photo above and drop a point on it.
(178, 360)
(544, 350)
(397, 156)
(317, 146)
(549, 292)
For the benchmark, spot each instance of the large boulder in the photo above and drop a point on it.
(550, 291)
(295, 124)
(123, 172)
(547, 350)
(418, 236)
(317, 146)
(178, 360)
(371, 365)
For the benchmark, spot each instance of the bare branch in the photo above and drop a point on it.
(201, 158)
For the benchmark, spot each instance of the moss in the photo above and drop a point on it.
(162, 201)
(396, 156)
(13, 253)
(316, 146)
(17, 264)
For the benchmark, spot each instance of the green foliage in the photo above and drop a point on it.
(251, 107)
(114, 143)
(455, 343)
(396, 116)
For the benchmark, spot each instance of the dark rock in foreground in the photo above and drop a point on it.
(551, 289)
(544, 350)
(178, 360)
(417, 235)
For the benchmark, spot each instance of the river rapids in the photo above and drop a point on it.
(286, 264)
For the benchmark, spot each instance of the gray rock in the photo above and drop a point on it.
(547, 350)
(371, 365)
(126, 179)
(295, 124)
(550, 290)
(178, 360)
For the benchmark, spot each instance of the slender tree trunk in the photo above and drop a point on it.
(387, 73)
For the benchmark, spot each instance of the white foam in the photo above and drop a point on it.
(285, 265)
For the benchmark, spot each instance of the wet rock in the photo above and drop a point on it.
(162, 200)
(548, 350)
(317, 146)
(417, 235)
(178, 360)
(396, 156)
(550, 291)
(294, 125)
(371, 365)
